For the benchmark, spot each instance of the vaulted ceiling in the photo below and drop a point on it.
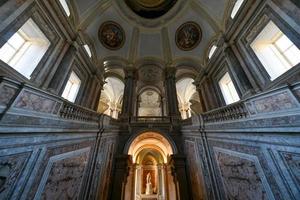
(150, 38)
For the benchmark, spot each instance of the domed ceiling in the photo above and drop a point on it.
(150, 8)
(139, 32)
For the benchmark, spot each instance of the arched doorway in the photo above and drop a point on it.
(150, 175)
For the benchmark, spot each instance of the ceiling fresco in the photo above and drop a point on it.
(111, 35)
(188, 36)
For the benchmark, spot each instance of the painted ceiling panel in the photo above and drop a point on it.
(93, 29)
(150, 45)
(215, 8)
(207, 34)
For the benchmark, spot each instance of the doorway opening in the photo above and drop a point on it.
(150, 174)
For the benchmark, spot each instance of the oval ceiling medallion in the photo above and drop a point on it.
(150, 8)
(188, 36)
(111, 35)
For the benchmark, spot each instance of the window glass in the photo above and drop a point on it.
(72, 87)
(236, 8)
(65, 7)
(88, 50)
(228, 89)
(212, 51)
(24, 50)
(275, 50)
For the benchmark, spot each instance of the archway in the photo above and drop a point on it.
(151, 175)
(110, 102)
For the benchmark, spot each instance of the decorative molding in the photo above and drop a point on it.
(257, 28)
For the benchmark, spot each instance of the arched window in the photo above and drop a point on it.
(236, 8)
(88, 50)
(65, 7)
(111, 97)
(185, 91)
(212, 50)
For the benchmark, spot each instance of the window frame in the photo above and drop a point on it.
(238, 9)
(258, 75)
(220, 77)
(287, 31)
(13, 28)
(79, 88)
(66, 8)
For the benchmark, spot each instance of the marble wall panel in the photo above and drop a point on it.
(6, 94)
(11, 168)
(28, 100)
(276, 102)
(196, 177)
(63, 175)
(292, 161)
(242, 176)
(61, 171)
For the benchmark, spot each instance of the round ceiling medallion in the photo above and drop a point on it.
(188, 36)
(150, 9)
(111, 35)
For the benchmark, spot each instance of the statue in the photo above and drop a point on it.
(149, 189)
(148, 179)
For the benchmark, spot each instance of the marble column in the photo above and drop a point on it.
(129, 93)
(170, 183)
(180, 174)
(238, 75)
(209, 93)
(122, 162)
(96, 95)
(171, 92)
(200, 93)
(62, 71)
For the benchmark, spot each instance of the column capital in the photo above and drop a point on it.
(170, 72)
(130, 71)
